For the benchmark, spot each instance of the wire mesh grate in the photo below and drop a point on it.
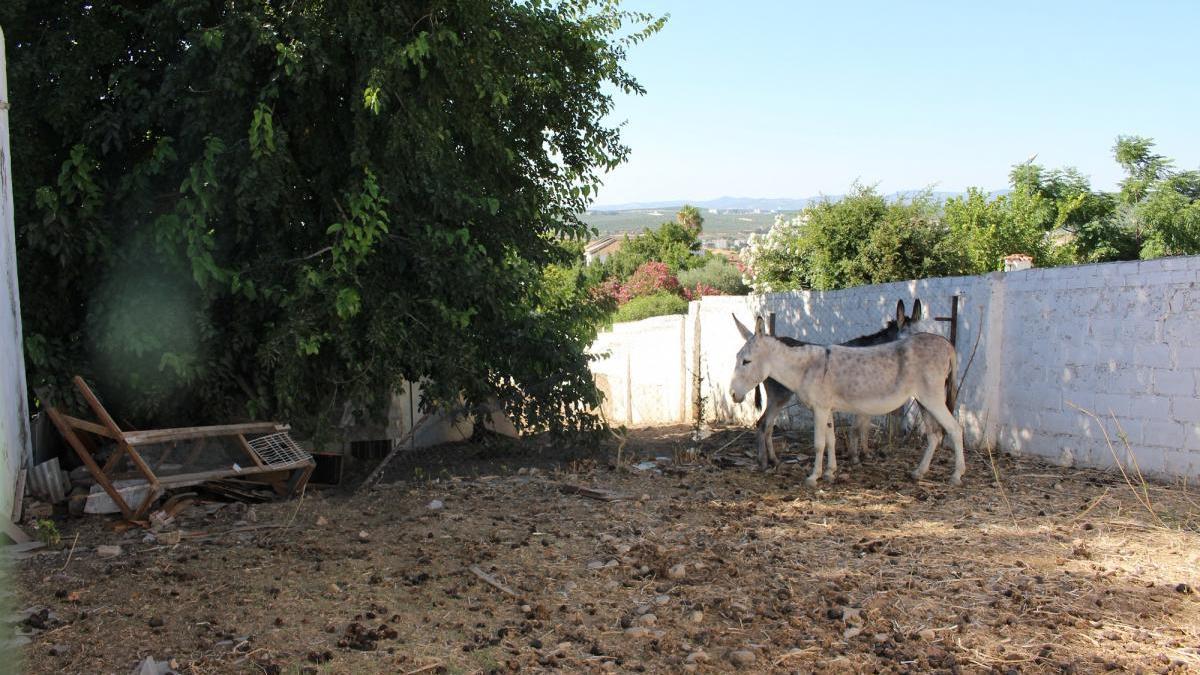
(278, 449)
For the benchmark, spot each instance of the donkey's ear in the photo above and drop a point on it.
(918, 311)
(742, 328)
(760, 326)
(900, 317)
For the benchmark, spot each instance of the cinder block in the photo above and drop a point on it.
(1185, 357)
(1150, 406)
(1128, 380)
(1153, 355)
(1114, 404)
(1174, 382)
(1185, 408)
(1175, 463)
(1040, 398)
(1065, 423)
(1191, 437)
(1165, 434)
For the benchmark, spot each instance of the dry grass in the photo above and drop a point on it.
(1027, 567)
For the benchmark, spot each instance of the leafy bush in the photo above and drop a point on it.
(700, 290)
(650, 279)
(659, 304)
(300, 184)
(717, 274)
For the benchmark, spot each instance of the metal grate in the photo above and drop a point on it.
(278, 449)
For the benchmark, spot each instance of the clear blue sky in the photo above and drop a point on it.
(791, 99)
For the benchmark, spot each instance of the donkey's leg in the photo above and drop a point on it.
(777, 399)
(822, 419)
(938, 410)
(762, 436)
(860, 438)
(933, 438)
(831, 450)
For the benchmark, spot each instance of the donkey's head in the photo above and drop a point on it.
(903, 325)
(750, 368)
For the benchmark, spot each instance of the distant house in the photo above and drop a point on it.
(598, 250)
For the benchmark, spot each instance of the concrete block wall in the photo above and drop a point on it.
(1121, 340)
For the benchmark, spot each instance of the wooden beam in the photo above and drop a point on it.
(186, 479)
(94, 404)
(90, 427)
(186, 433)
(97, 473)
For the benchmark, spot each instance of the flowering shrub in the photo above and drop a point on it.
(769, 262)
(651, 278)
(700, 291)
(611, 289)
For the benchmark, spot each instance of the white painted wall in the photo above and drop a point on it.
(1121, 339)
(14, 411)
(640, 368)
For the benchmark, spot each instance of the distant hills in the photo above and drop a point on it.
(752, 203)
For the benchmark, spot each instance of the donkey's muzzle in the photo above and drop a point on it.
(737, 398)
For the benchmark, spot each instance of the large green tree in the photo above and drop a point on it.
(267, 208)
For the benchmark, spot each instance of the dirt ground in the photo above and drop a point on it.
(707, 565)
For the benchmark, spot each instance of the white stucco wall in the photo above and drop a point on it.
(14, 411)
(641, 370)
(1119, 339)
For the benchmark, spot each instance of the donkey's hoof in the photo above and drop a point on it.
(917, 474)
(956, 480)
(829, 476)
(811, 481)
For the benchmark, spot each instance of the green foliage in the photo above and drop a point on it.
(717, 272)
(233, 210)
(47, 532)
(689, 217)
(1052, 215)
(1172, 216)
(984, 229)
(672, 243)
(647, 306)
(860, 239)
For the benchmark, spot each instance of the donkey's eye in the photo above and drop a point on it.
(745, 362)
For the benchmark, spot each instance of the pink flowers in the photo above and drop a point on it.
(651, 278)
(700, 291)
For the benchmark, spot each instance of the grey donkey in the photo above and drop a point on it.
(859, 380)
(779, 397)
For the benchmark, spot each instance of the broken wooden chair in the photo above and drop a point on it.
(274, 457)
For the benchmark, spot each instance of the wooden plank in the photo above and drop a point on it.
(19, 495)
(72, 439)
(114, 459)
(102, 414)
(94, 404)
(300, 479)
(249, 450)
(90, 427)
(186, 479)
(183, 433)
(491, 581)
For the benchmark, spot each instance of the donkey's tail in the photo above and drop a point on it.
(951, 382)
